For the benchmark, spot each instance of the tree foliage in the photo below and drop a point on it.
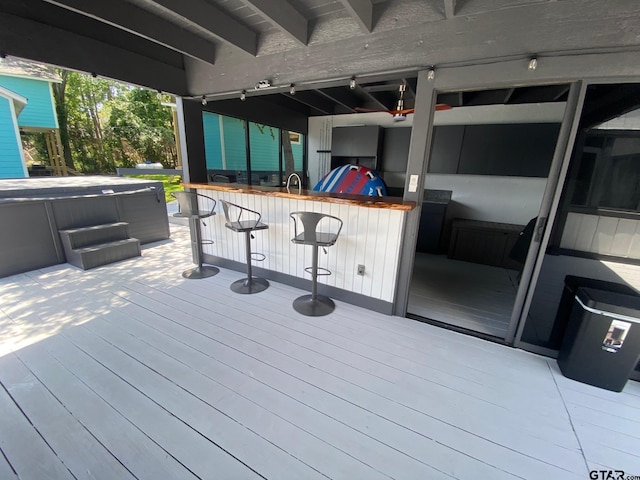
(106, 124)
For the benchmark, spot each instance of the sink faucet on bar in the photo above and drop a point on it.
(294, 175)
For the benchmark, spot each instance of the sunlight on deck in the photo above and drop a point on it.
(131, 371)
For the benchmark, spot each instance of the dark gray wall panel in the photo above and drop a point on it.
(446, 148)
(84, 212)
(146, 215)
(26, 241)
(395, 151)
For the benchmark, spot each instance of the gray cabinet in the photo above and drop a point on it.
(358, 145)
(488, 243)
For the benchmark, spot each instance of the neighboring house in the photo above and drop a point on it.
(12, 163)
(27, 105)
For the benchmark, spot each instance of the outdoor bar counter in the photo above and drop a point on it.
(371, 236)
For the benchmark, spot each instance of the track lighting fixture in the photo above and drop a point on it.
(204, 100)
(292, 89)
(243, 95)
(352, 83)
(533, 63)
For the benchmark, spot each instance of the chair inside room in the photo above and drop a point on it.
(317, 230)
(190, 204)
(244, 220)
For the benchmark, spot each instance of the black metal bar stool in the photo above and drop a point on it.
(307, 233)
(243, 220)
(188, 202)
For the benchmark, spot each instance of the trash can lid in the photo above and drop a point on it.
(573, 282)
(610, 302)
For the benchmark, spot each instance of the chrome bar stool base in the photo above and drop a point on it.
(204, 271)
(188, 202)
(249, 285)
(313, 307)
(244, 220)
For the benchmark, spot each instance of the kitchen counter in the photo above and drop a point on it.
(371, 237)
(393, 203)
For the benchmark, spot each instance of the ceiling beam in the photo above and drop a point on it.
(133, 19)
(215, 21)
(498, 35)
(311, 99)
(449, 8)
(361, 11)
(282, 14)
(56, 46)
(341, 96)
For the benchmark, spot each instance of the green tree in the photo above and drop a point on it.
(106, 124)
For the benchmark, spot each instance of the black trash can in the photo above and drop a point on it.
(601, 345)
(571, 285)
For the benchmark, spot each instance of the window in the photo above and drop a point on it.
(273, 153)
(608, 171)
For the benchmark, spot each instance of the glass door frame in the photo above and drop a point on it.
(577, 71)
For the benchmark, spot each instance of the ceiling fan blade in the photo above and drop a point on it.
(406, 111)
(368, 110)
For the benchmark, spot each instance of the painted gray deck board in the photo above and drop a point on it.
(6, 472)
(84, 456)
(29, 454)
(179, 440)
(465, 417)
(143, 457)
(166, 377)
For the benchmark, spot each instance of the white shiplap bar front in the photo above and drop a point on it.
(371, 236)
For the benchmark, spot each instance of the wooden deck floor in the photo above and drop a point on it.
(130, 371)
(463, 294)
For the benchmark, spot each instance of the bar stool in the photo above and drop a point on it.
(188, 202)
(243, 220)
(315, 305)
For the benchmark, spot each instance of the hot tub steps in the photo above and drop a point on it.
(95, 245)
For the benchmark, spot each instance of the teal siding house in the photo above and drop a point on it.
(225, 142)
(26, 104)
(12, 163)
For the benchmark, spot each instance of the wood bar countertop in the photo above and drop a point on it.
(393, 203)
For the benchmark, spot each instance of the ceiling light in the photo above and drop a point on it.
(533, 63)
(292, 89)
(431, 74)
(352, 83)
(243, 95)
(204, 100)
(263, 84)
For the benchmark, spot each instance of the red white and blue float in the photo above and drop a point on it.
(356, 179)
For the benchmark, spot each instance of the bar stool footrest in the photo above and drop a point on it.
(258, 257)
(249, 285)
(201, 272)
(313, 307)
(321, 271)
